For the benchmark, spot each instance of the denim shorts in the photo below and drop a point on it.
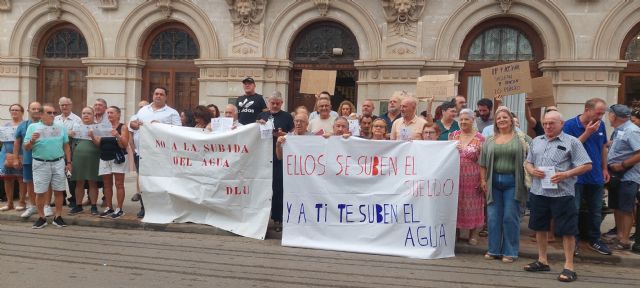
(561, 209)
(627, 192)
(27, 173)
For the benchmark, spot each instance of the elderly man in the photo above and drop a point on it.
(282, 124)
(484, 108)
(68, 120)
(340, 128)
(409, 127)
(367, 108)
(300, 123)
(623, 160)
(316, 113)
(554, 161)
(157, 111)
(35, 114)
(49, 146)
(393, 110)
(251, 104)
(324, 122)
(99, 109)
(589, 129)
(231, 111)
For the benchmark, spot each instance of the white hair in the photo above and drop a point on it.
(468, 112)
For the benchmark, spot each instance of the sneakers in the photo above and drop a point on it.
(117, 214)
(94, 210)
(600, 247)
(40, 223)
(58, 222)
(611, 234)
(107, 212)
(48, 211)
(30, 211)
(141, 213)
(75, 210)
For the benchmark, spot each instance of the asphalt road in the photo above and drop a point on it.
(101, 257)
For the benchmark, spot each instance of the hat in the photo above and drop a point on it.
(620, 110)
(248, 79)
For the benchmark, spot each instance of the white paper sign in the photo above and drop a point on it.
(380, 197)
(82, 131)
(354, 127)
(405, 134)
(266, 130)
(549, 171)
(102, 130)
(8, 134)
(49, 131)
(222, 180)
(221, 124)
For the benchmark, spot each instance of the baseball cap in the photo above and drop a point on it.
(620, 110)
(248, 79)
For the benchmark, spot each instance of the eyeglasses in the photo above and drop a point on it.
(379, 126)
(15, 110)
(429, 132)
(50, 112)
(64, 104)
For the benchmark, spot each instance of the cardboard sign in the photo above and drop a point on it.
(542, 93)
(379, 197)
(316, 81)
(507, 79)
(438, 87)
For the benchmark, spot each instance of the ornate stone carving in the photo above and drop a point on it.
(55, 8)
(403, 15)
(505, 5)
(109, 4)
(246, 16)
(323, 6)
(5, 5)
(165, 7)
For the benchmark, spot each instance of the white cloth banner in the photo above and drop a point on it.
(381, 197)
(223, 180)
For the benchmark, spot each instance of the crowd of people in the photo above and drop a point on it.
(561, 164)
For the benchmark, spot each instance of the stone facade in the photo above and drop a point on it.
(398, 42)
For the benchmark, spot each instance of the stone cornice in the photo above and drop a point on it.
(566, 64)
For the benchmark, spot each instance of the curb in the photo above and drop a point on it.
(461, 247)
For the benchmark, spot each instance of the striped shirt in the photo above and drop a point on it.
(626, 143)
(563, 152)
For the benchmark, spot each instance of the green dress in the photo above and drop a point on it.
(85, 162)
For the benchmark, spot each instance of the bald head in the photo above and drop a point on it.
(552, 124)
(408, 107)
(231, 111)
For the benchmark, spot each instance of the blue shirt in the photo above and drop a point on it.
(386, 119)
(626, 142)
(593, 145)
(21, 131)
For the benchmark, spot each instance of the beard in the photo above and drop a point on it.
(393, 110)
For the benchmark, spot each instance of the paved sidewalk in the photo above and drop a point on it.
(528, 248)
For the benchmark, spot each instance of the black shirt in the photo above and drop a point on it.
(281, 120)
(249, 107)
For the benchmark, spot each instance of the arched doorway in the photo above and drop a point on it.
(495, 42)
(61, 72)
(629, 92)
(313, 49)
(169, 52)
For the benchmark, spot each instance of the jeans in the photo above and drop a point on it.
(592, 194)
(503, 217)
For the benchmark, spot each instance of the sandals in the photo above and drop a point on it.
(507, 259)
(488, 256)
(473, 241)
(6, 208)
(567, 276)
(277, 226)
(537, 266)
(20, 208)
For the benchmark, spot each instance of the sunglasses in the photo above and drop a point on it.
(50, 112)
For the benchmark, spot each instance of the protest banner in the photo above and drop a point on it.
(438, 87)
(316, 81)
(380, 197)
(542, 92)
(222, 180)
(507, 79)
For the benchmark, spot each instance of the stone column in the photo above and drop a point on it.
(18, 79)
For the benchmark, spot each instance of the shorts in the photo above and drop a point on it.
(110, 167)
(612, 188)
(49, 173)
(562, 210)
(627, 193)
(27, 173)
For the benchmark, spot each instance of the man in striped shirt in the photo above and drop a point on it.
(555, 160)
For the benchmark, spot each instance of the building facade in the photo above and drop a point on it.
(201, 49)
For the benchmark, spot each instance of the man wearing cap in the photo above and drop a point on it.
(623, 159)
(251, 104)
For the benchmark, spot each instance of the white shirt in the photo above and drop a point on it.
(317, 124)
(67, 122)
(146, 114)
(315, 115)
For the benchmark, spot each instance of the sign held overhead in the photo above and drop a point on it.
(316, 81)
(507, 79)
(438, 87)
